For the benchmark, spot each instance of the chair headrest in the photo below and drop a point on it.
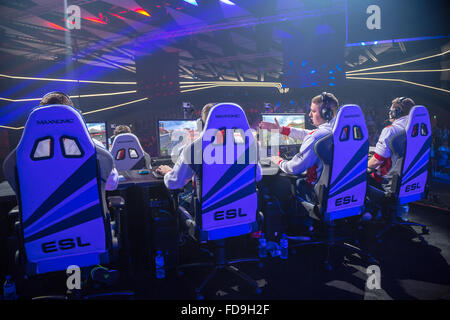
(127, 139)
(226, 115)
(227, 126)
(55, 121)
(349, 114)
(418, 116)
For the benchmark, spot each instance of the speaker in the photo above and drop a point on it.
(157, 75)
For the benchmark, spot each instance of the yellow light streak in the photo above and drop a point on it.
(400, 80)
(399, 64)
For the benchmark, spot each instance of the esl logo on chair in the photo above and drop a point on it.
(74, 277)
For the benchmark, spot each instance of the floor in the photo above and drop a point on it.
(409, 269)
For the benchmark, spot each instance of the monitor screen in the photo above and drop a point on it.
(97, 130)
(174, 135)
(293, 120)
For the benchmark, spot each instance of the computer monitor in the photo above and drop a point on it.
(98, 131)
(173, 135)
(293, 120)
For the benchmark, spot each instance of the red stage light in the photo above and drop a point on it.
(116, 15)
(96, 20)
(55, 26)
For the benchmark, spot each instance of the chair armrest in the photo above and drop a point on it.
(292, 177)
(13, 213)
(116, 202)
(186, 217)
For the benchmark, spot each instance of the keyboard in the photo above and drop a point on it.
(156, 162)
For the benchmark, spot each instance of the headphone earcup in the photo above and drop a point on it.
(325, 113)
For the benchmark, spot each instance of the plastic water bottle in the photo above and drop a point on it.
(9, 289)
(159, 265)
(403, 212)
(262, 246)
(284, 243)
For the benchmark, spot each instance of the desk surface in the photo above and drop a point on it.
(132, 178)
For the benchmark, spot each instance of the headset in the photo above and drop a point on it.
(325, 109)
(397, 111)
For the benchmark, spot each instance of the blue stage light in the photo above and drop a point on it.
(193, 2)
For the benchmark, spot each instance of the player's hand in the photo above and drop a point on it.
(163, 170)
(276, 159)
(269, 125)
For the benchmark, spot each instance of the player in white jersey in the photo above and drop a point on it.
(383, 159)
(323, 112)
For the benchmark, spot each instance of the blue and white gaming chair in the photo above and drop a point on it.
(60, 187)
(341, 188)
(342, 185)
(226, 201)
(407, 181)
(128, 153)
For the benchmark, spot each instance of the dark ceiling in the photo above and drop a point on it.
(240, 40)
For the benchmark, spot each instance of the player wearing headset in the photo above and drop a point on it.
(323, 111)
(381, 162)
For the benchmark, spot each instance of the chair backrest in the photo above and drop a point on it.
(412, 149)
(61, 197)
(128, 153)
(342, 185)
(227, 176)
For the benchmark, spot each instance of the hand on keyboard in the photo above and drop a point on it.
(157, 175)
(161, 171)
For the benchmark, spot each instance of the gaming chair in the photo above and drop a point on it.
(225, 200)
(63, 218)
(128, 153)
(341, 188)
(407, 180)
